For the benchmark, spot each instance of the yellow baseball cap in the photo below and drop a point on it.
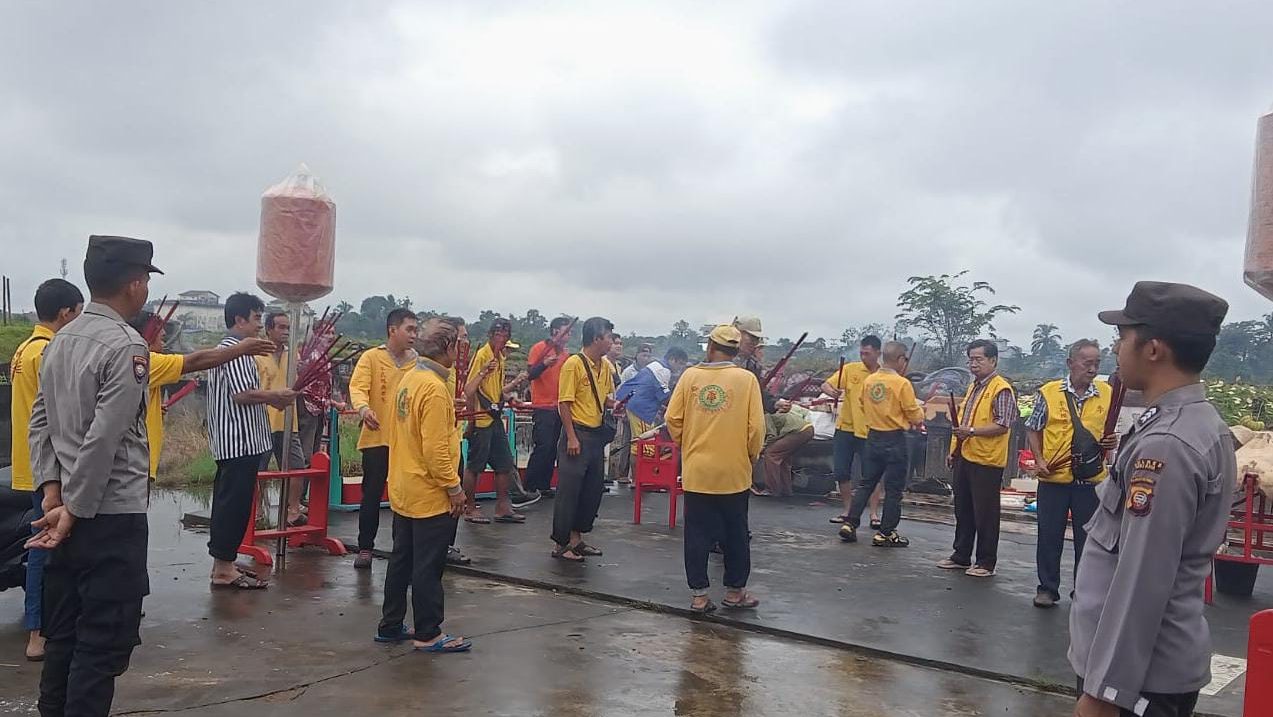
(726, 335)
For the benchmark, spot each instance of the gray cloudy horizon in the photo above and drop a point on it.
(650, 161)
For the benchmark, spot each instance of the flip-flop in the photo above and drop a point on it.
(512, 518)
(243, 582)
(560, 554)
(706, 609)
(247, 571)
(403, 635)
(441, 646)
(477, 519)
(582, 548)
(748, 602)
(840, 519)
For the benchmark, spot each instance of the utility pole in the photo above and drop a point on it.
(63, 269)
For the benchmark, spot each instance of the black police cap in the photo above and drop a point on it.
(120, 252)
(1175, 308)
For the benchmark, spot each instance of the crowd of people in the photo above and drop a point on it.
(88, 432)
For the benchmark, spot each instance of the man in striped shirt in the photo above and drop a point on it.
(238, 435)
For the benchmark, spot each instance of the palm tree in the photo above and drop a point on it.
(1047, 342)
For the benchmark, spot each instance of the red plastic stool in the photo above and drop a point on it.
(314, 532)
(1259, 667)
(657, 468)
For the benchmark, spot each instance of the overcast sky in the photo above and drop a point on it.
(650, 161)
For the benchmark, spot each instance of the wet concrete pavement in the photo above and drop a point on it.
(886, 602)
(304, 647)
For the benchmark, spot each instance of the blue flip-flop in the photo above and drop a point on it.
(403, 635)
(441, 646)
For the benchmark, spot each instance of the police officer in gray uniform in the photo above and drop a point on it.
(1138, 640)
(90, 459)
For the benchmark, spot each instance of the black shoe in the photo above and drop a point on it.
(1044, 599)
(548, 492)
(526, 499)
(848, 533)
(891, 539)
(455, 557)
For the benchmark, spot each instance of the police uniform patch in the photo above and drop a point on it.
(1140, 495)
(1147, 416)
(141, 367)
(1149, 464)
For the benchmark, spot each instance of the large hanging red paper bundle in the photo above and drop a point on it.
(296, 254)
(1258, 268)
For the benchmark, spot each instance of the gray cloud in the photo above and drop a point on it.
(651, 162)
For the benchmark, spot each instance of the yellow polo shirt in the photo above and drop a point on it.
(574, 388)
(715, 416)
(24, 374)
(165, 370)
(273, 371)
(849, 379)
(888, 402)
(423, 452)
(374, 384)
(492, 387)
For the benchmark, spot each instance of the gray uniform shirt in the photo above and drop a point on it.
(1137, 624)
(88, 425)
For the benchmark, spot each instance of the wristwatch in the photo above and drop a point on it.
(972, 430)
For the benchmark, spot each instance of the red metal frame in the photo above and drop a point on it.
(657, 468)
(314, 532)
(1254, 518)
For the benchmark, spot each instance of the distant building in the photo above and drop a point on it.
(199, 298)
(203, 311)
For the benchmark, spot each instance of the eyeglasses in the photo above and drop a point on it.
(977, 359)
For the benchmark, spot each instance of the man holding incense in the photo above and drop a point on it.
(167, 369)
(1065, 434)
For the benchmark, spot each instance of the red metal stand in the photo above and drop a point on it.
(657, 468)
(314, 532)
(1253, 543)
(1259, 667)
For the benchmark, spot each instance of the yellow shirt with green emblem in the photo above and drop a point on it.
(888, 401)
(165, 370)
(849, 380)
(24, 374)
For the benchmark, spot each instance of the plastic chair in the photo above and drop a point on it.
(658, 465)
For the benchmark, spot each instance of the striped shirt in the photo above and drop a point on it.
(1004, 409)
(235, 431)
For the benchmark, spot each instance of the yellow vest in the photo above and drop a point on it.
(991, 451)
(1058, 434)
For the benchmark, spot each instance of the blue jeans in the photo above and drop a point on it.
(31, 617)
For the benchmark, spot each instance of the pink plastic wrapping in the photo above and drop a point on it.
(296, 253)
(1257, 269)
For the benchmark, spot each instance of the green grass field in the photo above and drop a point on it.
(10, 336)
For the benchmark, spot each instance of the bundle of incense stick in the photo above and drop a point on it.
(773, 372)
(461, 372)
(155, 325)
(181, 393)
(1115, 405)
(333, 358)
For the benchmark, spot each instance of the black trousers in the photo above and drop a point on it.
(711, 519)
(976, 489)
(545, 432)
(93, 588)
(232, 492)
(1161, 704)
(375, 472)
(1056, 501)
(885, 460)
(580, 485)
(419, 555)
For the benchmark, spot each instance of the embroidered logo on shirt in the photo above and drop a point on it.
(401, 403)
(713, 398)
(1149, 464)
(141, 367)
(1140, 495)
(877, 392)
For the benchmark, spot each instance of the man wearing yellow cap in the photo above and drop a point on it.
(717, 418)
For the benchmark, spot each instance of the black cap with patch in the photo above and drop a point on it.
(120, 252)
(1176, 308)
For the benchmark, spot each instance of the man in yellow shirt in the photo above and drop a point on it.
(167, 369)
(488, 437)
(425, 494)
(716, 415)
(57, 302)
(372, 387)
(849, 442)
(273, 368)
(584, 393)
(889, 408)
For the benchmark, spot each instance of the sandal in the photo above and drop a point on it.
(706, 609)
(840, 519)
(560, 554)
(586, 550)
(444, 645)
(477, 519)
(510, 518)
(760, 492)
(243, 582)
(875, 523)
(746, 601)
